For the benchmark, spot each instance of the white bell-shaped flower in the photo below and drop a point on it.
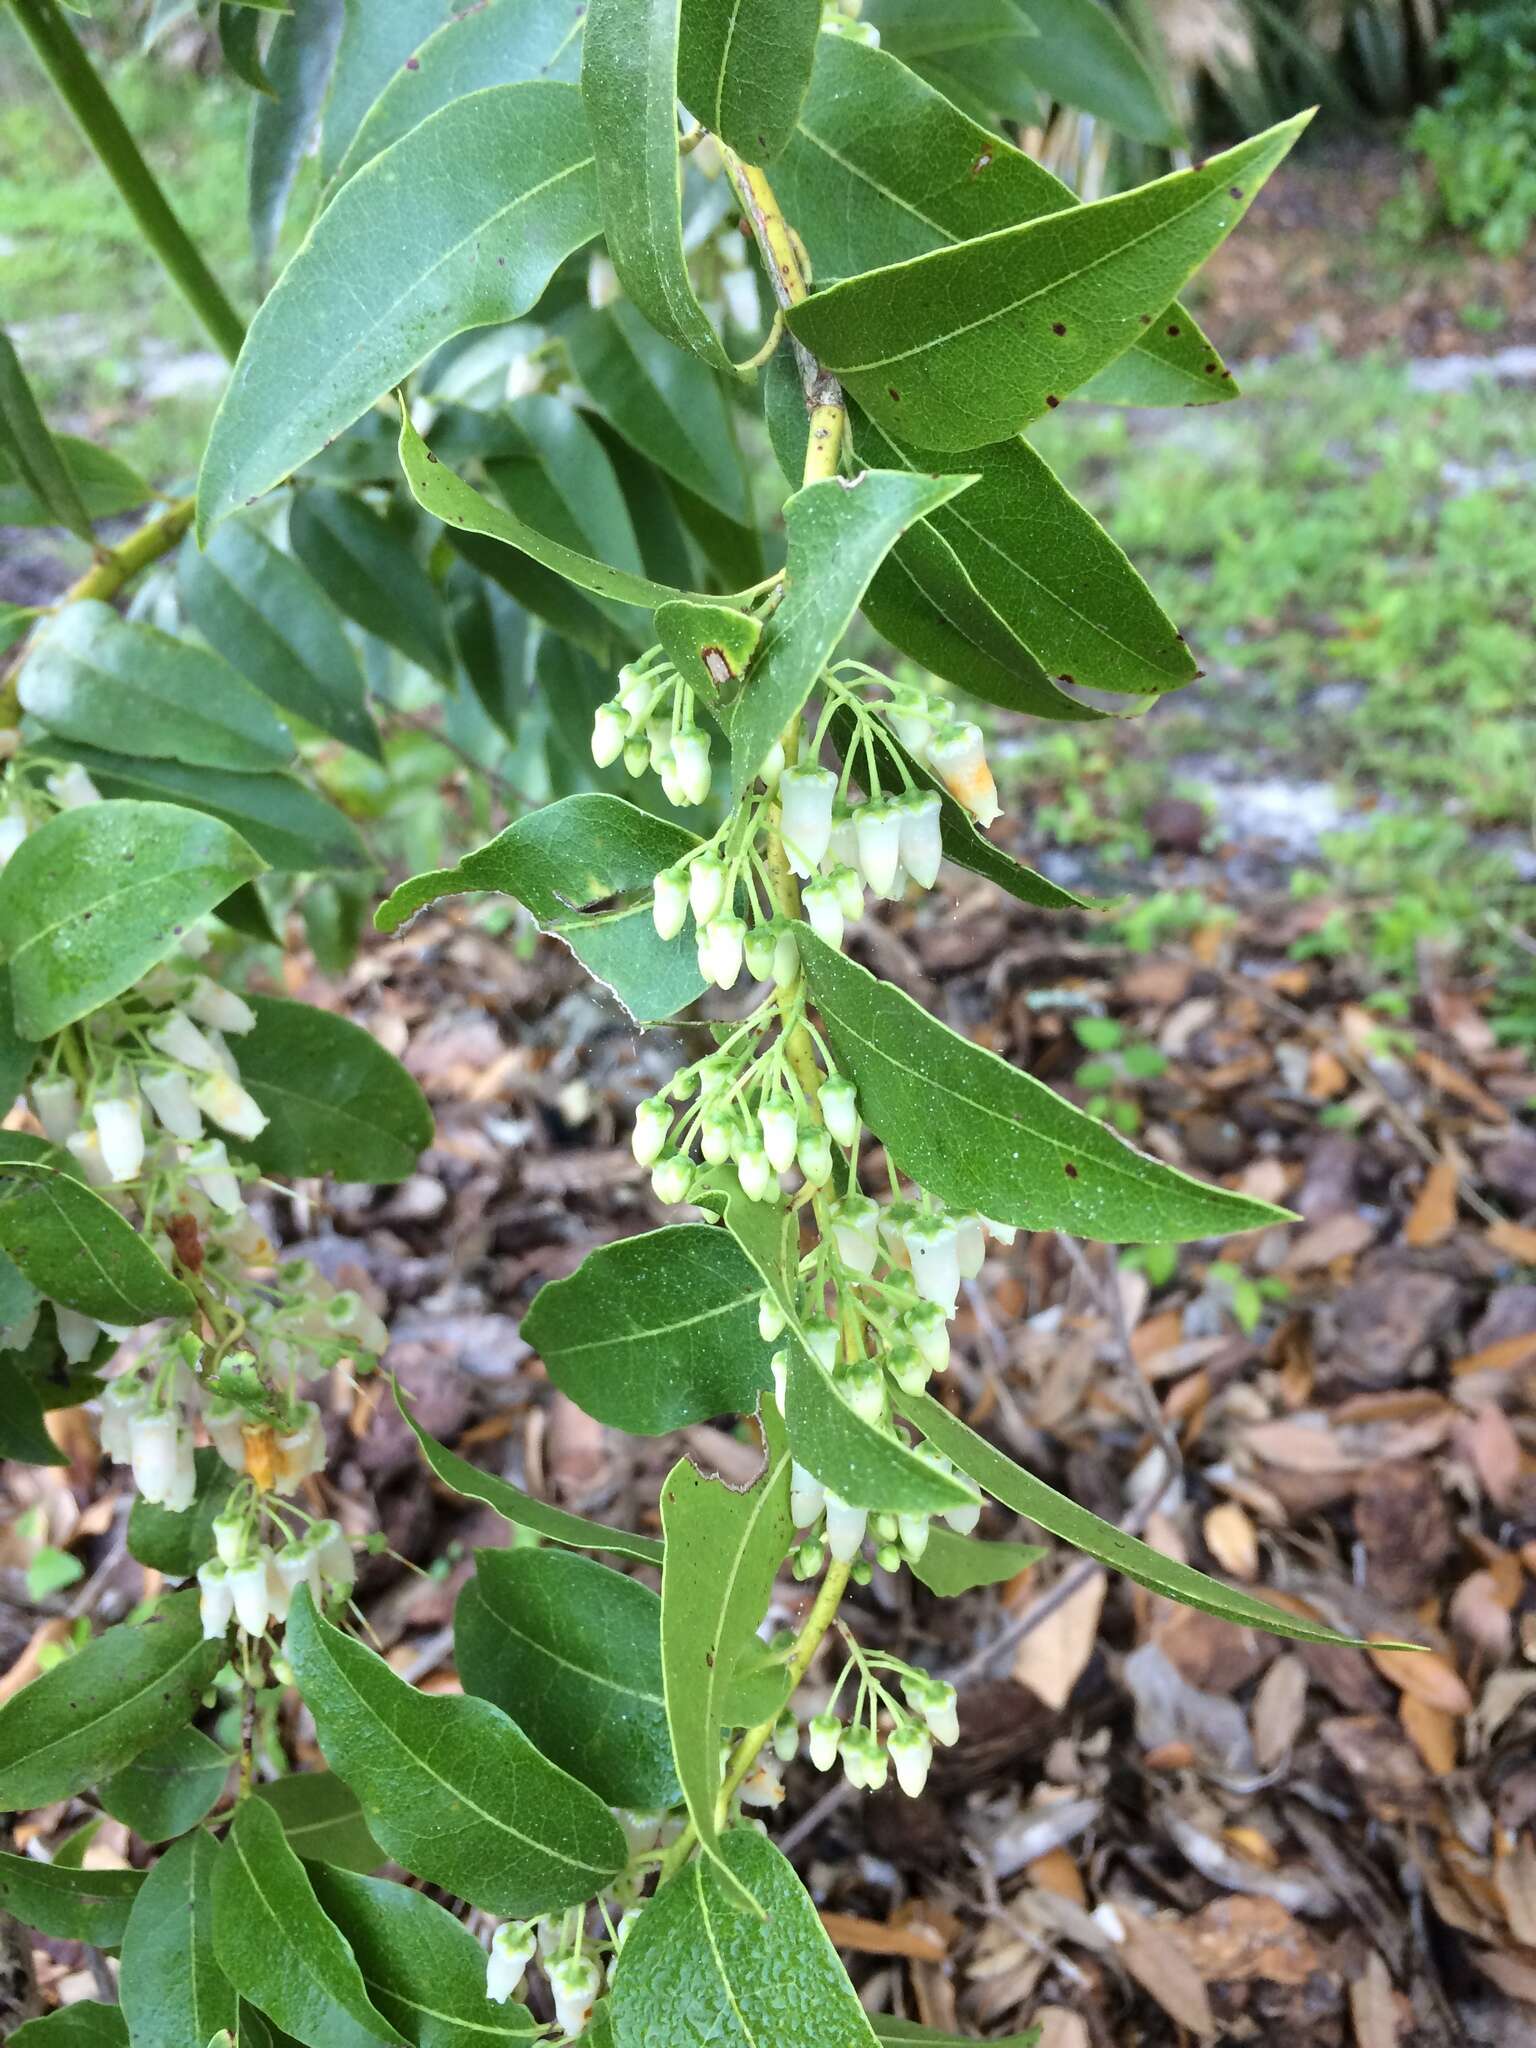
(908, 1368)
(84, 1147)
(840, 1107)
(298, 1564)
(57, 1103)
(925, 1324)
(638, 691)
(1002, 1233)
(843, 844)
(718, 1134)
(786, 1737)
(807, 1497)
(225, 1423)
(121, 1401)
(672, 1180)
(912, 722)
(512, 1947)
(642, 1831)
(845, 1529)
(610, 730)
(300, 1449)
(922, 840)
(958, 757)
(820, 1335)
(180, 1040)
(120, 1127)
(855, 1231)
(824, 912)
(755, 1172)
(762, 940)
(72, 787)
(669, 911)
(911, 1750)
(209, 1166)
(786, 960)
(726, 939)
(216, 1599)
(708, 879)
(338, 1566)
(824, 1738)
(850, 891)
(231, 1536)
(764, 1783)
(970, 1246)
(878, 826)
(225, 1103)
(938, 1704)
(637, 755)
(862, 1386)
(348, 1315)
(251, 1591)
(168, 1091)
(932, 1248)
(220, 1007)
(781, 1134)
(806, 795)
(913, 1532)
(13, 830)
(813, 1155)
(770, 1319)
(653, 1122)
(575, 1984)
(160, 1451)
(963, 1520)
(690, 750)
(77, 1333)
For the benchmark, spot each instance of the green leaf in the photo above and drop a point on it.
(277, 817)
(176, 1542)
(93, 898)
(463, 509)
(710, 645)
(421, 1967)
(521, 1509)
(884, 168)
(18, 1055)
(839, 531)
(170, 1787)
(891, 2033)
(451, 1788)
(337, 1103)
(376, 43)
(322, 1818)
(298, 69)
(459, 224)
(724, 1549)
(92, 676)
(273, 622)
(368, 572)
(500, 42)
(275, 1944)
(961, 347)
(571, 1650)
(662, 399)
(16, 620)
(72, 1245)
(240, 45)
(743, 71)
(983, 1137)
(491, 634)
(696, 1968)
(575, 853)
(85, 2024)
(1084, 58)
(99, 1709)
(1063, 1518)
(656, 1331)
(23, 1435)
(629, 88)
(171, 1985)
(29, 449)
(68, 1905)
(103, 481)
(951, 1564)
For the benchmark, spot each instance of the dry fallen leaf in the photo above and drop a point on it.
(1432, 1732)
(874, 1938)
(1279, 1708)
(1373, 2006)
(1433, 1216)
(1423, 1675)
(1232, 1540)
(1164, 1971)
(1052, 1657)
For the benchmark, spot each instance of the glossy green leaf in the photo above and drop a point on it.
(85, 2024)
(169, 1787)
(23, 1433)
(724, 1549)
(565, 862)
(298, 69)
(458, 224)
(891, 2033)
(177, 1541)
(1084, 58)
(271, 620)
(461, 507)
(951, 1564)
(93, 898)
(18, 1055)
(322, 1819)
(521, 1509)
(240, 33)
(336, 1102)
(366, 569)
(102, 1707)
(662, 399)
(275, 1945)
(883, 168)
(629, 89)
(376, 43)
(571, 1650)
(171, 1985)
(1063, 1518)
(67, 1904)
(500, 42)
(697, 1968)
(983, 1137)
(742, 70)
(451, 1788)
(29, 450)
(839, 532)
(962, 347)
(72, 1245)
(105, 484)
(422, 1968)
(656, 1331)
(93, 675)
(493, 639)
(278, 817)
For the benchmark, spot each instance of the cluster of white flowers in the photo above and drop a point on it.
(867, 1747)
(651, 723)
(253, 1583)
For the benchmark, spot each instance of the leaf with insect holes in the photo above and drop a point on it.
(971, 343)
(742, 70)
(170, 1982)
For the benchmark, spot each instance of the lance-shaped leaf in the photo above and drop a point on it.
(29, 450)
(367, 570)
(85, 2024)
(724, 1549)
(1037, 1502)
(571, 1650)
(91, 900)
(883, 168)
(839, 532)
(276, 1946)
(99, 1709)
(422, 1968)
(951, 1564)
(629, 88)
(322, 1818)
(698, 1968)
(171, 1985)
(970, 344)
(451, 1788)
(743, 70)
(240, 44)
(1083, 57)
(297, 71)
(169, 1788)
(521, 1509)
(376, 42)
(460, 223)
(93, 675)
(500, 42)
(581, 852)
(23, 1432)
(985, 1138)
(336, 1102)
(68, 1904)
(710, 645)
(662, 399)
(269, 618)
(106, 483)
(72, 1245)
(438, 490)
(656, 1331)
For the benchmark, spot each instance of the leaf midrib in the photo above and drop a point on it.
(543, 1649)
(160, 1678)
(654, 1330)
